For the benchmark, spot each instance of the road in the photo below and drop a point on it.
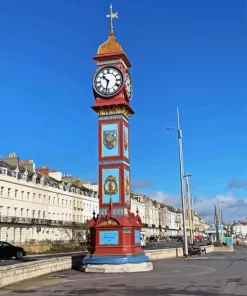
(212, 275)
(149, 246)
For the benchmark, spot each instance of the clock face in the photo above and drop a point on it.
(108, 81)
(128, 84)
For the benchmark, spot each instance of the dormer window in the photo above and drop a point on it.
(5, 171)
(42, 180)
(34, 178)
(16, 172)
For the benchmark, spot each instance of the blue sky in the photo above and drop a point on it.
(190, 54)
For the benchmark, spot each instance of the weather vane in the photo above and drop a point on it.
(112, 16)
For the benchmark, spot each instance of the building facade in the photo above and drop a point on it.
(239, 229)
(158, 219)
(39, 206)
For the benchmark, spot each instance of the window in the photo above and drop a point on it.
(58, 201)
(39, 214)
(81, 204)
(8, 210)
(34, 196)
(9, 192)
(74, 218)
(77, 204)
(49, 199)
(44, 215)
(66, 217)
(28, 194)
(44, 198)
(70, 203)
(21, 212)
(62, 216)
(2, 190)
(73, 203)
(27, 213)
(66, 202)
(33, 213)
(22, 194)
(39, 197)
(54, 200)
(62, 202)
(16, 192)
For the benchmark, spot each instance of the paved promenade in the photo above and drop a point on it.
(211, 275)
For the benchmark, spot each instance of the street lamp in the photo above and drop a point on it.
(186, 176)
(181, 168)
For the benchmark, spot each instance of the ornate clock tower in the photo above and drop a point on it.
(115, 232)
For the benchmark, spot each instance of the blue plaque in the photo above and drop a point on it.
(137, 237)
(108, 237)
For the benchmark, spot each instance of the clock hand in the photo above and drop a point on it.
(107, 81)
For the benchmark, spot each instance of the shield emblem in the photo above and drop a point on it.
(110, 139)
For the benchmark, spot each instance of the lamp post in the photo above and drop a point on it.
(192, 213)
(181, 168)
(186, 176)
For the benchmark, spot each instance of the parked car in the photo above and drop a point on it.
(180, 239)
(153, 238)
(7, 251)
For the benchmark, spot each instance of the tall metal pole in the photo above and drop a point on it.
(189, 205)
(192, 214)
(181, 166)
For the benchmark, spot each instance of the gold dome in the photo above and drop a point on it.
(110, 46)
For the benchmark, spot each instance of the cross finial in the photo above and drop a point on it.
(112, 16)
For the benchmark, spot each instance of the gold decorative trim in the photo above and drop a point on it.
(108, 222)
(114, 110)
(126, 140)
(127, 186)
(110, 185)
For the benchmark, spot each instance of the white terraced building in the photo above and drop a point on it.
(39, 205)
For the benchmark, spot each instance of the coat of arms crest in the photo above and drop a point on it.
(110, 138)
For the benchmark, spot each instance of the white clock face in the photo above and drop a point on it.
(108, 81)
(128, 84)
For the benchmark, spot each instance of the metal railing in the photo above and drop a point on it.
(38, 221)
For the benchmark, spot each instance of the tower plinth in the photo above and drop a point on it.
(115, 240)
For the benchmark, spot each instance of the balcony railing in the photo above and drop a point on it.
(38, 221)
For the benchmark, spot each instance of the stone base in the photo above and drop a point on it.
(119, 268)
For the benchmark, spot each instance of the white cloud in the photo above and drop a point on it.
(232, 208)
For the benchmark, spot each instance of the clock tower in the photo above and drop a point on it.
(115, 232)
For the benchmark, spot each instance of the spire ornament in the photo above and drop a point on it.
(112, 16)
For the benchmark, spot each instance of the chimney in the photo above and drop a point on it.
(44, 170)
